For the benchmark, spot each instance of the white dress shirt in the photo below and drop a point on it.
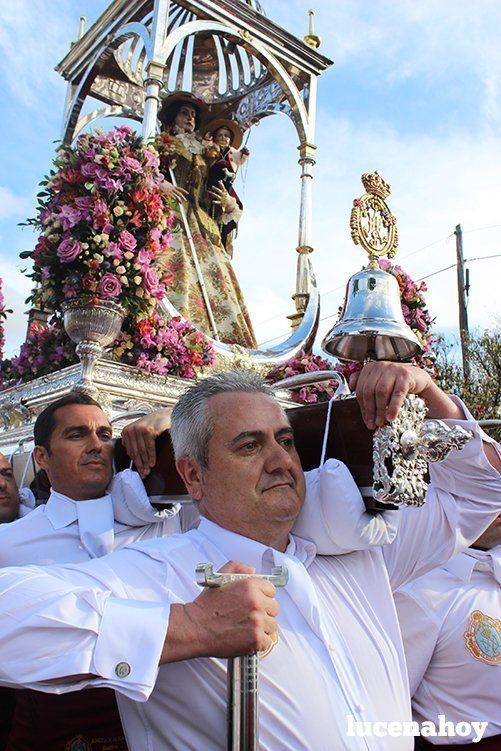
(339, 653)
(68, 531)
(451, 627)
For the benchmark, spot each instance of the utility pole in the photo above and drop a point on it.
(463, 312)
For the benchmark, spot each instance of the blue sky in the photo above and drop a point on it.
(415, 93)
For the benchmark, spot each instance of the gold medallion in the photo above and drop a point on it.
(372, 224)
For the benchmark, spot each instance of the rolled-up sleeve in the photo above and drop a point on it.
(102, 623)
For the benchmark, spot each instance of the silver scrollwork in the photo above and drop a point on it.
(403, 448)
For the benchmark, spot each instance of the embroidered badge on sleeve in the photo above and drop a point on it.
(483, 638)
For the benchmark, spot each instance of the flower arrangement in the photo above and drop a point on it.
(46, 348)
(3, 315)
(306, 363)
(105, 225)
(163, 347)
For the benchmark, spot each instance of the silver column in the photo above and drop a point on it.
(243, 672)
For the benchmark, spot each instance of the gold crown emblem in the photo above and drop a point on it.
(374, 183)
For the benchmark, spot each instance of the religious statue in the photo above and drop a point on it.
(205, 289)
(227, 136)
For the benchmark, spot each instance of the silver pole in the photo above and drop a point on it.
(243, 703)
(242, 672)
(196, 261)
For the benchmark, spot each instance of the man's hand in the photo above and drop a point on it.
(229, 621)
(381, 388)
(139, 437)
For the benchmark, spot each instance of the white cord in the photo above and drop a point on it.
(326, 429)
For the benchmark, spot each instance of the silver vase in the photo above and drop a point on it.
(92, 326)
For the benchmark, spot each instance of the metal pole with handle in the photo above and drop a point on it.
(243, 672)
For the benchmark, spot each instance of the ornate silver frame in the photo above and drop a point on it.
(138, 49)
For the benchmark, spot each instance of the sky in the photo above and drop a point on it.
(415, 93)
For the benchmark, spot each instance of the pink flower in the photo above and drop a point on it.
(144, 258)
(68, 250)
(126, 240)
(131, 164)
(109, 286)
(150, 159)
(151, 284)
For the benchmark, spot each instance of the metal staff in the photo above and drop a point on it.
(196, 262)
(243, 672)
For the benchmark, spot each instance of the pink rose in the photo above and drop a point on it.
(109, 286)
(68, 250)
(151, 284)
(126, 240)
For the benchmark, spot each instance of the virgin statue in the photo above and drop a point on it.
(205, 289)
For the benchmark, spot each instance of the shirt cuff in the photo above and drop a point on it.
(129, 645)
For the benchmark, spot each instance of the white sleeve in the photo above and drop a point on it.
(131, 505)
(334, 515)
(420, 630)
(101, 623)
(463, 498)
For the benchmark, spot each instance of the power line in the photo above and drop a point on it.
(466, 260)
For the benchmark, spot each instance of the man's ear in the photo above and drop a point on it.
(191, 473)
(41, 456)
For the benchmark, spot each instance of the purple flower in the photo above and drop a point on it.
(114, 250)
(68, 250)
(126, 240)
(68, 216)
(109, 286)
(90, 169)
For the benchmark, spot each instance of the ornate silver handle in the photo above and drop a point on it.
(403, 448)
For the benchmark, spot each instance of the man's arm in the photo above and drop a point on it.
(381, 388)
(111, 622)
(139, 437)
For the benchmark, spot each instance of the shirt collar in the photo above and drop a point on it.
(62, 511)
(463, 565)
(252, 552)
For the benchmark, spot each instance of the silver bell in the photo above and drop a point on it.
(372, 325)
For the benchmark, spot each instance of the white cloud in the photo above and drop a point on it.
(33, 34)
(13, 206)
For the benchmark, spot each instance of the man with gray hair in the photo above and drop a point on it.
(337, 657)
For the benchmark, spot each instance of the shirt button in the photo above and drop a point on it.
(360, 708)
(122, 670)
(332, 648)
